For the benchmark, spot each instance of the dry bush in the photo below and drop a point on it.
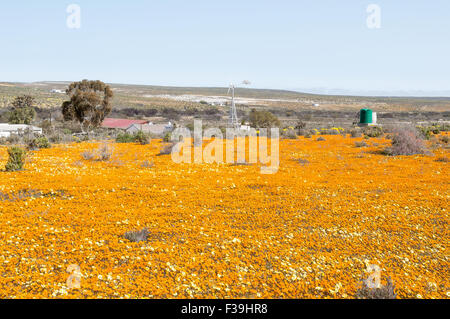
(104, 153)
(373, 131)
(14, 139)
(406, 141)
(116, 163)
(442, 159)
(385, 292)
(166, 149)
(137, 236)
(355, 133)
(319, 139)
(289, 134)
(88, 155)
(329, 132)
(147, 164)
(361, 144)
(303, 161)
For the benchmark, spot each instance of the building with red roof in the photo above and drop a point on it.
(122, 124)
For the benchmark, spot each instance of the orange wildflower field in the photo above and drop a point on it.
(221, 230)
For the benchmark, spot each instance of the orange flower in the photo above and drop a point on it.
(224, 231)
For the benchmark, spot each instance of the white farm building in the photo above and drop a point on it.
(7, 129)
(154, 129)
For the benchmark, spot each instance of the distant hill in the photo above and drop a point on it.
(148, 96)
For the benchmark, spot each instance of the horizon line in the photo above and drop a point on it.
(298, 91)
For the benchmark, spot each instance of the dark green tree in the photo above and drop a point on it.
(263, 119)
(89, 104)
(23, 111)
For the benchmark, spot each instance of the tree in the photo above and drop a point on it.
(263, 119)
(90, 103)
(23, 111)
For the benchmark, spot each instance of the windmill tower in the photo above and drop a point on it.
(233, 114)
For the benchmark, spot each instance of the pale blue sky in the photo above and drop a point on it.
(286, 44)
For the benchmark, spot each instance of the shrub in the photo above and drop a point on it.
(435, 129)
(303, 161)
(355, 133)
(84, 137)
(444, 139)
(406, 141)
(54, 138)
(125, 138)
(147, 164)
(167, 137)
(373, 131)
(384, 292)
(38, 143)
(442, 159)
(425, 131)
(142, 138)
(138, 137)
(13, 139)
(320, 138)
(300, 126)
(88, 155)
(330, 132)
(137, 236)
(166, 149)
(361, 144)
(289, 134)
(104, 153)
(16, 159)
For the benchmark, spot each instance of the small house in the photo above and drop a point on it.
(121, 124)
(7, 129)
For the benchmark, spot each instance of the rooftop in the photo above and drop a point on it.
(121, 123)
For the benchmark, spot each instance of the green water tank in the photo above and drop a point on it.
(366, 116)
